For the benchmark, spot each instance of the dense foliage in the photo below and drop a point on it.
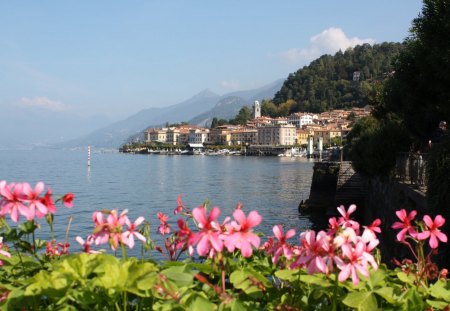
(438, 166)
(417, 96)
(419, 91)
(327, 83)
(227, 265)
(373, 145)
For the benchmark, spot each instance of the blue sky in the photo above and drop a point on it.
(113, 58)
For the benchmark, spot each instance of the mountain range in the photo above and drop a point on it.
(197, 110)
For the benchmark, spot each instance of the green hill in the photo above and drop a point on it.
(327, 83)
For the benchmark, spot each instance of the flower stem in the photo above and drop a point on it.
(335, 289)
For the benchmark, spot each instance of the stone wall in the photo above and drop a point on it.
(382, 201)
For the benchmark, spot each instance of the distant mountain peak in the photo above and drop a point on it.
(206, 93)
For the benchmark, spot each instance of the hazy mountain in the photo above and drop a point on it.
(230, 104)
(117, 133)
(27, 127)
(199, 109)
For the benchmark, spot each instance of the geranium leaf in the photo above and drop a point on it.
(362, 301)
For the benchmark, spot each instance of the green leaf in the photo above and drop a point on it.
(440, 290)
(402, 276)
(316, 279)
(361, 301)
(180, 275)
(387, 293)
(288, 275)
(413, 301)
(201, 303)
(27, 227)
(236, 305)
(438, 304)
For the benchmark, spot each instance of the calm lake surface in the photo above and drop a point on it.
(147, 184)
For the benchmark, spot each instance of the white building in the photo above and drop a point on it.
(158, 135)
(198, 136)
(301, 119)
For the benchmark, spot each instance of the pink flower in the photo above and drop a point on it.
(14, 198)
(115, 224)
(180, 205)
(316, 252)
(345, 221)
(243, 238)
(47, 200)
(164, 227)
(128, 236)
(371, 230)
(87, 244)
(405, 225)
(433, 232)
(111, 229)
(353, 260)
(68, 200)
(208, 238)
(54, 249)
(3, 252)
(34, 201)
(281, 247)
(185, 237)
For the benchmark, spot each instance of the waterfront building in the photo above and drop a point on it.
(244, 136)
(326, 135)
(221, 135)
(158, 135)
(279, 134)
(302, 136)
(183, 138)
(172, 136)
(198, 136)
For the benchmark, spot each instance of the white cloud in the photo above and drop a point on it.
(43, 103)
(230, 84)
(328, 41)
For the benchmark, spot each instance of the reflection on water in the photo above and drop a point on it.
(147, 184)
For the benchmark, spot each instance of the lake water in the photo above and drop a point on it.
(147, 184)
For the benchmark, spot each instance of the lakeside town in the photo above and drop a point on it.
(269, 136)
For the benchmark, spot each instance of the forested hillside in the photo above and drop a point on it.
(327, 83)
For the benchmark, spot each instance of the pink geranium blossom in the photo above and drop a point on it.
(242, 236)
(34, 201)
(128, 236)
(405, 225)
(370, 232)
(13, 202)
(68, 200)
(316, 252)
(281, 247)
(353, 261)
(3, 252)
(208, 238)
(87, 244)
(345, 221)
(180, 206)
(164, 227)
(433, 232)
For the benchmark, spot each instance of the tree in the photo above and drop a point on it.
(244, 115)
(373, 144)
(268, 108)
(419, 90)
